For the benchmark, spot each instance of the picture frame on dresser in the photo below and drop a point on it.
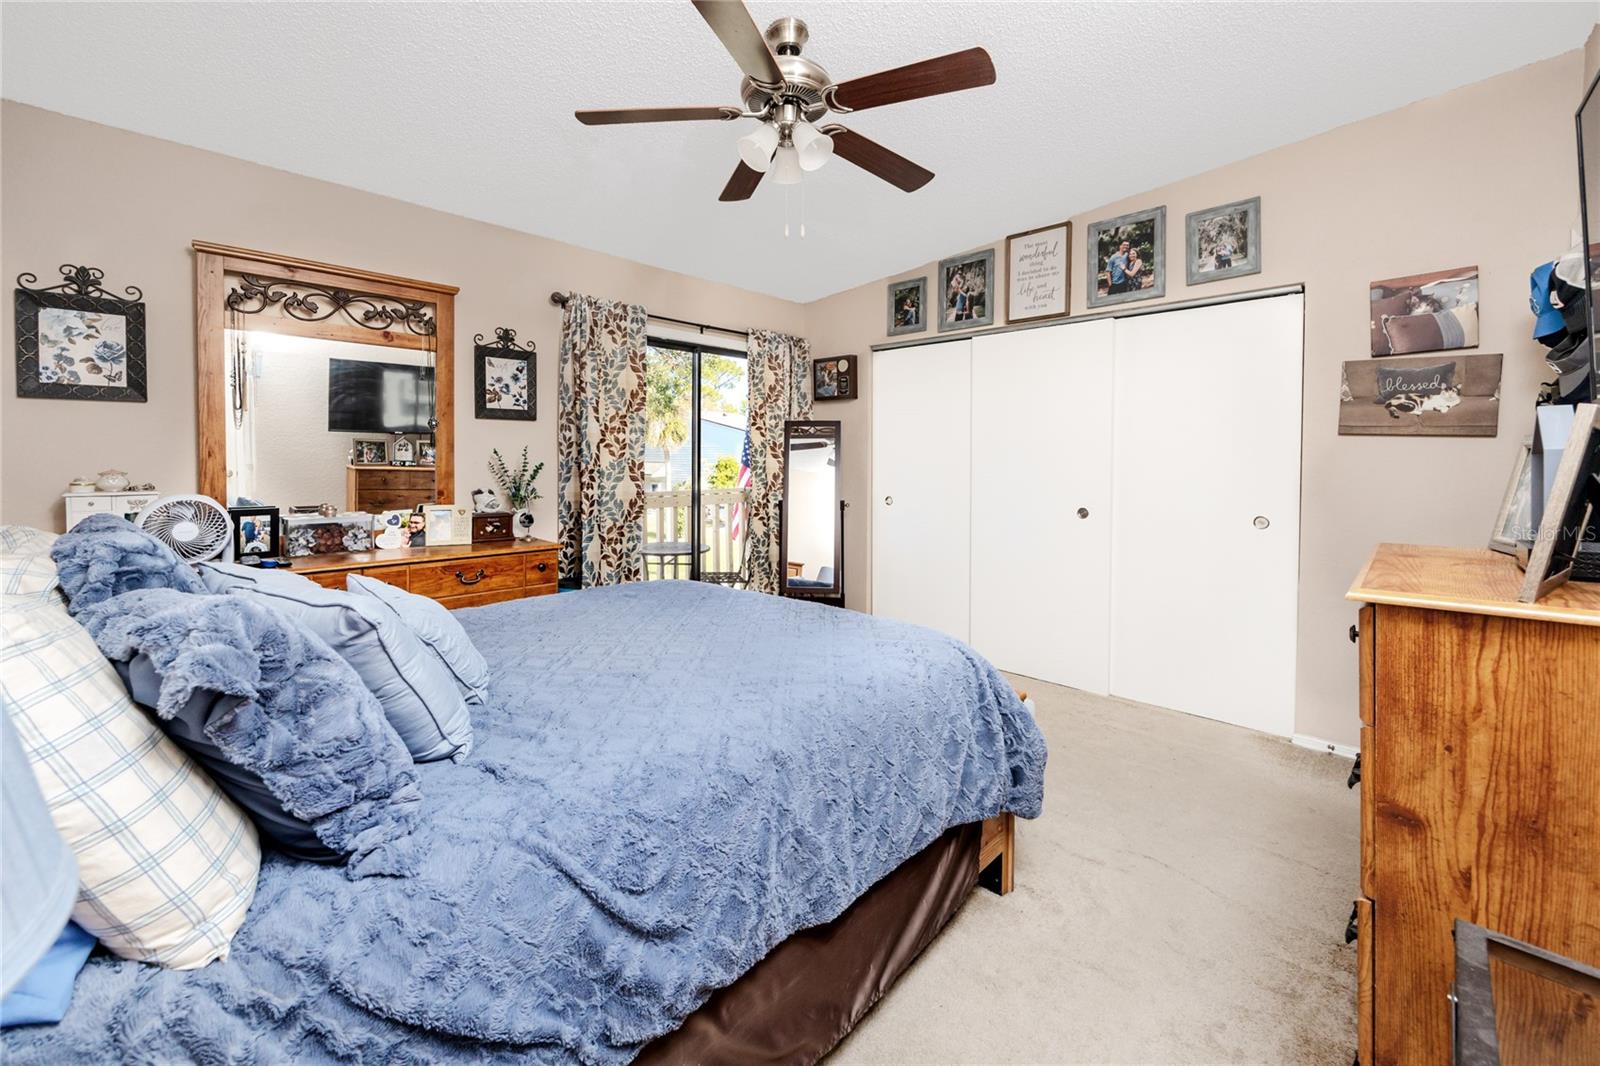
(255, 533)
(76, 341)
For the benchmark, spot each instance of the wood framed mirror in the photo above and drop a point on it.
(811, 536)
(321, 384)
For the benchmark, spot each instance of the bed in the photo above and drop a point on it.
(698, 825)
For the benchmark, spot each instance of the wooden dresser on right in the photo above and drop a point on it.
(1480, 785)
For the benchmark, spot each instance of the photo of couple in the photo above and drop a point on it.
(964, 299)
(1128, 258)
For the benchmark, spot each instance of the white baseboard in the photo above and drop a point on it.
(1326, 746)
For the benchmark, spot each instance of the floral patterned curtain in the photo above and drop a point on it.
(600, 441)
(780, 369)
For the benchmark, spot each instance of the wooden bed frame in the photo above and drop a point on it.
(997, 853)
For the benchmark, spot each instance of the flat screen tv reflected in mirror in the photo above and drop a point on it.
(367, 397)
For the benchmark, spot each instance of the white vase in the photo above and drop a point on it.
(522, 523)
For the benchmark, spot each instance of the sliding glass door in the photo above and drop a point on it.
(695, 470)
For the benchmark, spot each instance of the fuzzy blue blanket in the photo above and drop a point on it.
(670, 778)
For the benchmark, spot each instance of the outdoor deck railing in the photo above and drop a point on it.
(666, 519)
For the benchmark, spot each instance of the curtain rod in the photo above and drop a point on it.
(560, 300)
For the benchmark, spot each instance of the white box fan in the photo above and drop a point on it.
(195, 527)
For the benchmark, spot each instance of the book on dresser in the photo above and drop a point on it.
(1480, 800)
(457, 575)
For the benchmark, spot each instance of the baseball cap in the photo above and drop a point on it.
(1547, 319)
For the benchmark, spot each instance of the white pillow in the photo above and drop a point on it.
(167, 865)
(26, 568)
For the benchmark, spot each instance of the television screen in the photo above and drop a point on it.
(378, 397)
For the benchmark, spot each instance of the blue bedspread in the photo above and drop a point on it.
(669, 779)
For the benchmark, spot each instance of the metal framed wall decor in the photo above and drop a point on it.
(76, 341)
(505, 374)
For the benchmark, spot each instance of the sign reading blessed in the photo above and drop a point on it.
(1038, 265)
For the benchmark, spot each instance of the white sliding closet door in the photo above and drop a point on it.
(1206, 522)
(921, 485)
(1041, 502)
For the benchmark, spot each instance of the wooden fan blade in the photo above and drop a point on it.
(741, 185)
(619, 115)
(730, 20)
(946, 74)
(874, 158)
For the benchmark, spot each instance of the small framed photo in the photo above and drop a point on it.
(908, 302)
(1128, 258)
(1512, 523)
(255, 532)
(966, 291)
(1432, 312)
(1038, 273)
(369, 451)
(505, 376)
(834, 379)
(76, 341)
(1569, 505)
(427, 453)
(1224, 242)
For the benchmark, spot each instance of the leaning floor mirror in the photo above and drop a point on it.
(811, 549)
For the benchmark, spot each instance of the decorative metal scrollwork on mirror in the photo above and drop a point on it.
(811, 531)
(314, 303)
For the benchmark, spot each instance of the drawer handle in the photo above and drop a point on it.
(542, 567)
(1355, 635)
(473, 580)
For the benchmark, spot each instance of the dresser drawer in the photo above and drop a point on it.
(492, 573)
(398, 576)
(541, 573)
(330, 579)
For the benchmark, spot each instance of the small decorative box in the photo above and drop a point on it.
(491, 525)
(316, 535)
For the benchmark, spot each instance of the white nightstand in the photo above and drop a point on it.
(81, 505)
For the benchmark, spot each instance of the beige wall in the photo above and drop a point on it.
(78, 192)
(1485, 174)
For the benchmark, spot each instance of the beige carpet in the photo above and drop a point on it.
(1182, 900)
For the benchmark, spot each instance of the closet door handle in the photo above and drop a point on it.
(888, 501)
(1261, 521)
(473, 580)
(1083, 512)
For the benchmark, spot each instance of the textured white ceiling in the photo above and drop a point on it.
(468, 107)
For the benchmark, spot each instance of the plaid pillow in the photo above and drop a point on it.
(167, 864)
(26, 568)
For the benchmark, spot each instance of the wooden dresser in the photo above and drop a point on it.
(386, 488)
(1480, 784)
(457, 575)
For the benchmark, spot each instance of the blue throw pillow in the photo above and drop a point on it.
(188, 726)
(417, 692)
(433, 624)
(304, 724)
(105, 555)
(43, 995)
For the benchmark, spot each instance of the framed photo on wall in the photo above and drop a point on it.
(76, 341)
(966, 291)
(1039, 273)
(1128, 258)
(908, 306)
(1433, 312)
(1223, 242)
(505, 377)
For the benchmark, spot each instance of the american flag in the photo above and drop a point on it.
(744, 483)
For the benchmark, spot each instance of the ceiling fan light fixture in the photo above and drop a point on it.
(756, 147)
(786, 167)
(813, 146)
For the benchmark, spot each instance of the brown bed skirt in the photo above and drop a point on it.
(796, 1004)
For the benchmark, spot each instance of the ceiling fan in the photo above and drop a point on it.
(788, 93)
